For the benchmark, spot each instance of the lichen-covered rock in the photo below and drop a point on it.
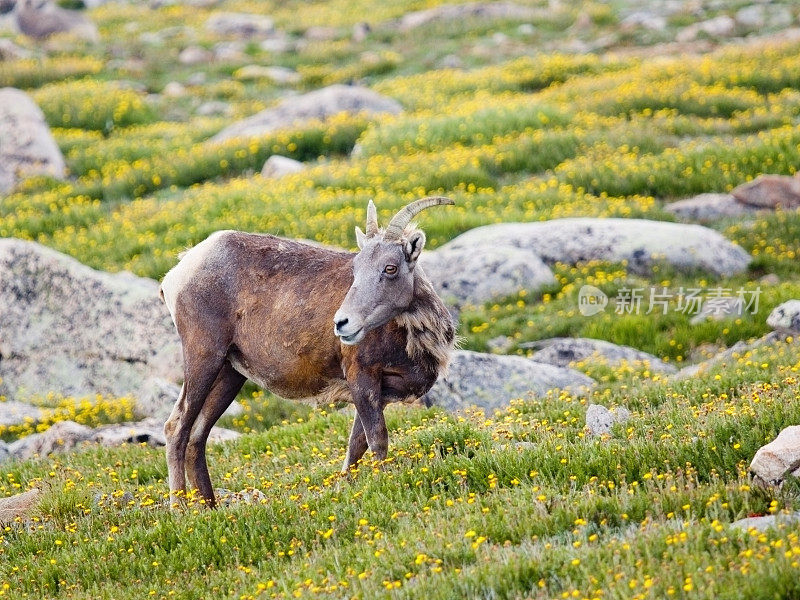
(43, 19)
(244, 25)
(563, 351)
(472, 10)
(640, 242)
(73, 330)
(14, 413)
(785, 318)
(491, 381)
(61, 437)
(770, 191)
(319, 104)
(26, 145)
(709, 207)
(600, 420)
(65, 436)
(475, 275)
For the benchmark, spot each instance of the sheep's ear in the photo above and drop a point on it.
(413, 246)
(361, 238)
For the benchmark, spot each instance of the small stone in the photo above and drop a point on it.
(769, 279)
(785, 318)
(10, 51)
(26, 145)
(174, 89)
(360, 32)
(753, 16)
(319, 33)
(645, 20)
(195, 55)
(277, 45)
(214, 108)
(779, 458)
(500, 344)
(491, 381)
(476, 274)
(770, 191)
(196, 79)
(719, 309)
(279, 75)
(526, 29)
(277, 166)
(499, 38)
(229, 51)
(243, 25)
(452, 61)
(15, 413)
(767, 521)
(600, 420)
(709, 207)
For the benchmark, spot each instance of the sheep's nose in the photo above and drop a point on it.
(341, 323)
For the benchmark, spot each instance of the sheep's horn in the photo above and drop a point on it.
(372, 219)
(394, 231)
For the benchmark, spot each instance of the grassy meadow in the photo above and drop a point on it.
(519, 504)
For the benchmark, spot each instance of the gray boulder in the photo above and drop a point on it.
(721, 26)
(15, 413)
(240, 24)
(709, 207)
(278, 166)
(195, 55)
(71, 329)
(26, 145)
(767, 522)
(319, 104)
(770, 191)
(11, 51)
(65, 436)
(785, 318)
(40, 20)
(719, 309)
(459, 12)
(640, 242)
(474, 276)
(491, 381)
(564, 351)
(600, 420)
(61, 437)
(781, 457)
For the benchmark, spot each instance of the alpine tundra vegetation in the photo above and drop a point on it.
(589, 117)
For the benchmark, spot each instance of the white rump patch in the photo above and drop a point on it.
(191, 262)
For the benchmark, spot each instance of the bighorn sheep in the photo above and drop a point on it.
(303, 321)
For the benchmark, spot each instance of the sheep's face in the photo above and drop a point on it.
(383, 285)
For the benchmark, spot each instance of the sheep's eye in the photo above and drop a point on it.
(390, 269)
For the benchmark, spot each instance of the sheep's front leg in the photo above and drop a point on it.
(357, 445)
(366, 390)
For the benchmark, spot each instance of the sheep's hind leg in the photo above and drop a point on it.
(200, 372)
(226, 386)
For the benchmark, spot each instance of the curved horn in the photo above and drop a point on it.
(394, 231)
(372, 219)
